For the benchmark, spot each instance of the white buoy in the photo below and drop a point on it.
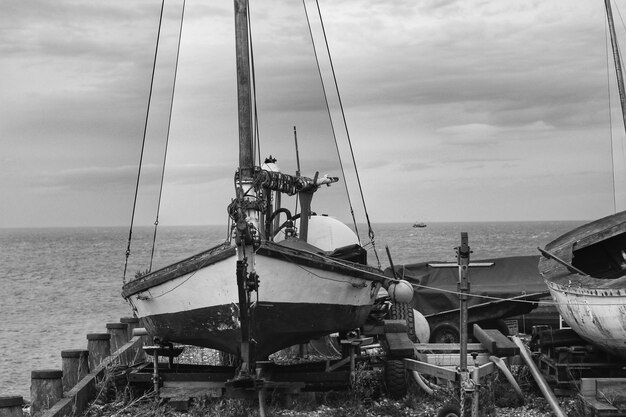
(401, 291)
(422, 328)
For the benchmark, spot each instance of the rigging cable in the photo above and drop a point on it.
(620, 54)
(343, 115)
(167, 136)
(608, 88)
(332, 126)
(143, 143)
(618, 62)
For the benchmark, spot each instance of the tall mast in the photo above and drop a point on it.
(618, 61)
(244, 100)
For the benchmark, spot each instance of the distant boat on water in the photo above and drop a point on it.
(419, 224)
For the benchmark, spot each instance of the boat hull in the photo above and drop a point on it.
(585, 272)
(301, 296)
(597, 315)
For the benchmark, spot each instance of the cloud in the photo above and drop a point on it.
(123, 177)
(434, 92)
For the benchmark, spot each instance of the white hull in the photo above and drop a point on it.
(596, 315)
(585, 271)
(296, 302)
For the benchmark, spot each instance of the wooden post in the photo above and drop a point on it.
(132, 323)
(11, 406)
(135, 355)
(119, 337)
(99, 346)
(75, 364)
(46, 389)
(77, 399)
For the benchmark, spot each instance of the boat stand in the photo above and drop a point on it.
(168, 351)
(468, 380)
(180, 383)
(564, 358)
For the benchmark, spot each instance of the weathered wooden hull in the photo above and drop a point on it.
(592, 301)
(596, 315)
(301, 296)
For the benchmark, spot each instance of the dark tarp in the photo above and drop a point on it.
(509, 277)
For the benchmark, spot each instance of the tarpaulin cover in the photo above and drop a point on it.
(508, 277)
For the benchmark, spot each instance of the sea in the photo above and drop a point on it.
(59, 284)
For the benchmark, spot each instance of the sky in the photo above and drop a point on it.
(456, 110)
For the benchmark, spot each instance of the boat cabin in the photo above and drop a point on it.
(601, 255)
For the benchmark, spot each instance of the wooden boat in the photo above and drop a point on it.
(419, 224)
(256, 294)
(585, 270)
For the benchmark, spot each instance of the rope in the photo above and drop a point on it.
(143, 144)
(620, 54)
(486, 297)
(167, 137)
(608, 88)
(345, 123)
(330, 119)
(371, 234)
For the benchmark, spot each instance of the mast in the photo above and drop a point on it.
(247, 218)
(244, 96)
(617, 59)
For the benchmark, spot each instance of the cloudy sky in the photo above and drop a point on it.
(458, 110)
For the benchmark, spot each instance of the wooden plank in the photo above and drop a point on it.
(431, 370)
(399, 344)
(195, 376)
(588, 387)
(78, 398)
(451, 359)
(495, 342)
(193, 384)
(486, 369)
(453, 347)
(185, 393)
(395, 326)
(560, 337)
(600, 406)
(611, 389)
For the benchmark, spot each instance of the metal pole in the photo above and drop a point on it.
(541, 382)
(463, 257)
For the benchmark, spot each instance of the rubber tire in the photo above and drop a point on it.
(450, 410)
(445, 333)
(404, 311)
(395, 378)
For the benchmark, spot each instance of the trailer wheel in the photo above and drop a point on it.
(404, 311)
(445, 333)
(395, 378)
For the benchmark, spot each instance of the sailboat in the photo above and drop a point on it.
(256, 294)
(585, 269)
